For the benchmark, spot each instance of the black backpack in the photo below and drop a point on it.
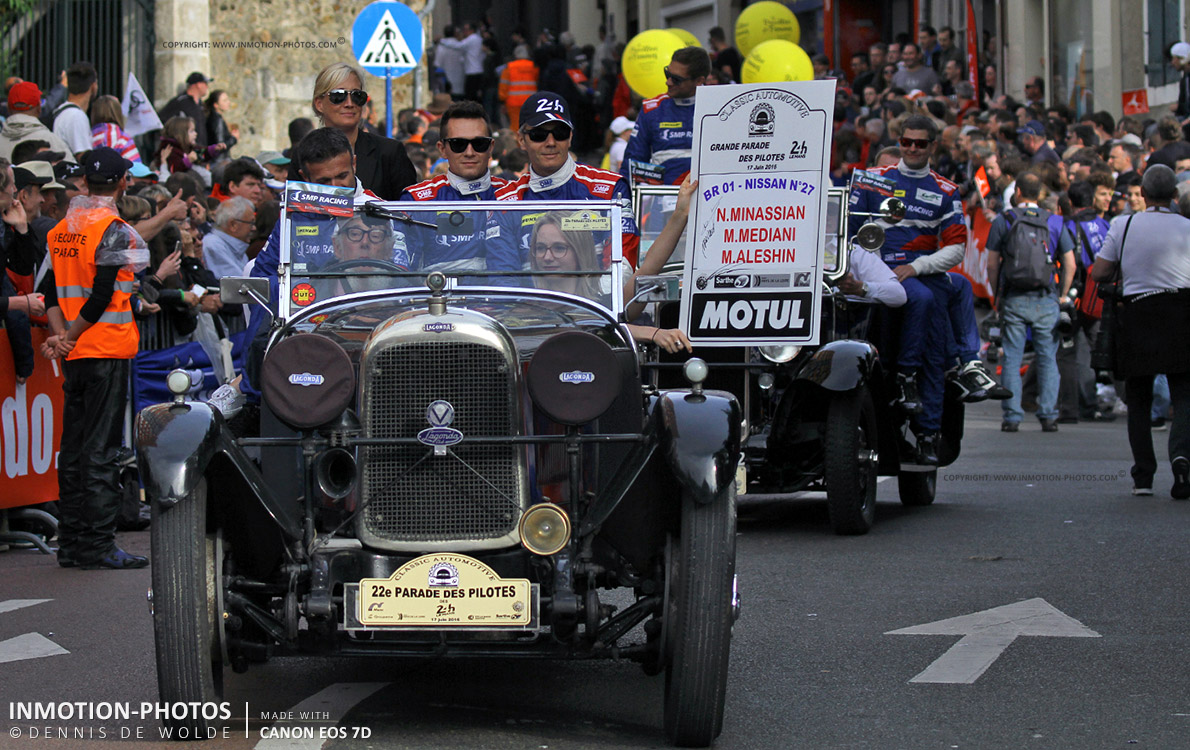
(1026, 257)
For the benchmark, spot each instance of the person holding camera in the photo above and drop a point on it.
(1023, 245)
(1149, 253)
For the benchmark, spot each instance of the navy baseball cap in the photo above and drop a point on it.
(1032, 127)
(104, 166)
(545, 107)
(67, 169)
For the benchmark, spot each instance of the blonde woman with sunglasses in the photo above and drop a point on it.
(380, 163)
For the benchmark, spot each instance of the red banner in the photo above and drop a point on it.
(972, 50)
(30, 428)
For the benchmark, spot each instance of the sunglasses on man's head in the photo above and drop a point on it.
(922, 143)
(338, 96)
(459, 145)
(674, 77)
(559, 132)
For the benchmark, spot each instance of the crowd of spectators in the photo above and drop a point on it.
(1090, 164)
(205, 210)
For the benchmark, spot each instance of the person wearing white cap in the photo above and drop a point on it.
(622, 129)
(1179, 53)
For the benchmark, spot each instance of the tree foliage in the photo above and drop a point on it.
(10, 12)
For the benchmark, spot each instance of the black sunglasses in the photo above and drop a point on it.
(459, 145)
(675, 78)
(559, 132)
(338, 96)
(922, 143)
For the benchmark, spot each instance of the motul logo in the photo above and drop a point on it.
(749, 315)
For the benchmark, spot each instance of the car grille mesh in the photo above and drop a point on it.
(441, 499)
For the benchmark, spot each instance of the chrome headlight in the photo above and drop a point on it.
(178, 382)
(544, 529)
(779, 354)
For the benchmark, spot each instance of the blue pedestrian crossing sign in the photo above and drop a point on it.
(387, 38)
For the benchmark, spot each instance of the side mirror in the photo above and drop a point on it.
(663, 288)
(870, 237)
(241, 291)
(892, 209)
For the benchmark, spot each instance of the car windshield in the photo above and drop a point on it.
(656, 205)
(565, 247)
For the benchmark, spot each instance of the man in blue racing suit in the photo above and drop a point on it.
(553, 175)
(466, 143)
(659, 150)
(938, 328)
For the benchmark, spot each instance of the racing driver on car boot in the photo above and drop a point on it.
(939, 322)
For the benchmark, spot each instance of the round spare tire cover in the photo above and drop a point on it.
(307, 380)
(574, 377)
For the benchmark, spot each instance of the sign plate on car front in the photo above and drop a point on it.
(445, 590)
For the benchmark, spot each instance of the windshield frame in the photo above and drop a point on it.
(616, 272)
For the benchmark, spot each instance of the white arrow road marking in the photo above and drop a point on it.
(28, 646)
(11, 604)
(986, 634)
(329, 705)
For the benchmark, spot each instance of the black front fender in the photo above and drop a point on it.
(700, 439)
(175, 444)
(841, 365)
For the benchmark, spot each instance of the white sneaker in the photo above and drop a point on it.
(228, 400)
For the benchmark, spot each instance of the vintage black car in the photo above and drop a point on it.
(815, 417)
(453, 460)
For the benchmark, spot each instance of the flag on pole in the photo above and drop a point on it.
(139, 115)
(972, 50)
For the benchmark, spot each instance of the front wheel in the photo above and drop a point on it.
(698, 620)
(917, 487)
(850, 461)
(187, 624)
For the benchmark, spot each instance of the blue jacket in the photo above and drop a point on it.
(933, 211)
(508, 248)
(664, 135)
(427, 248)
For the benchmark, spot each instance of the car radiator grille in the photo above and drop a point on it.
(471, 494)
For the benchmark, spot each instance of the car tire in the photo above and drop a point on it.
(917, 487)
(849, 474)
(185, 611)
(700, 617)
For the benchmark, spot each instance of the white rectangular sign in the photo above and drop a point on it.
(755, 244)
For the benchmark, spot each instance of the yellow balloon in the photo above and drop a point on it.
(645, 58)
(760, 22)
(687, 38)
(777, 60)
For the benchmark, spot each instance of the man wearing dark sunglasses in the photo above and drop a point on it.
(659, 150)
(466, 143)
(938, 328)
(553, 175)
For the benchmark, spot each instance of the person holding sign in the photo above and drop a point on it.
(659, 150)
